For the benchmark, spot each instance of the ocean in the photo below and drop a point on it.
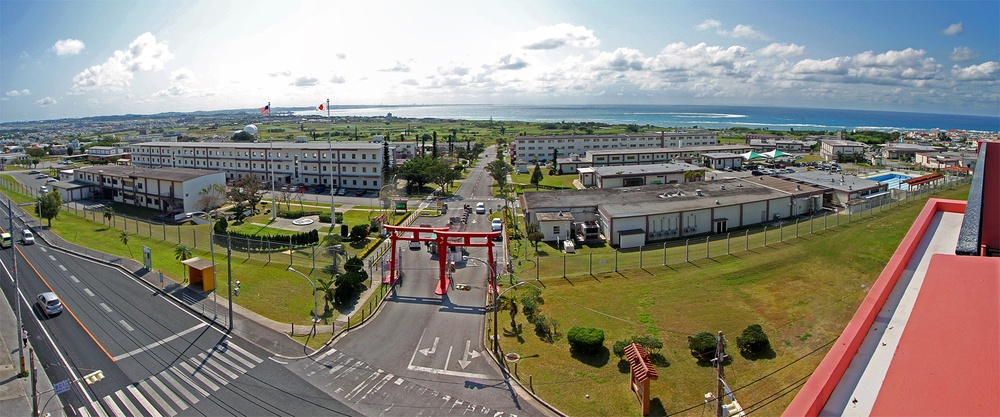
(710, 117)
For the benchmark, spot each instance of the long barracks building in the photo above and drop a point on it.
(529, 149)
(352, 164)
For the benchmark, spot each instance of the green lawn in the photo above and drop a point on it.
(557, 181)
(802, 291)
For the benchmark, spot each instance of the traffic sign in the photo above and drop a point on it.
(61, 386)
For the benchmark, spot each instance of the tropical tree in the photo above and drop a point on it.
(351, 282)
(182, 253)
(109, 213)
(243, 136)
(510, 304)
(326, 287)
(434, 145)
(212, 197)
(124, 238)
(248, 189)
(49, 205)
(536, 176)
(499, 170)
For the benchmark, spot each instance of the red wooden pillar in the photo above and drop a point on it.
(442, 287)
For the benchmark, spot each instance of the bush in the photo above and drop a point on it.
(530, 299)
(651, 344)
(220, 226)
(544, 328)
(702, 345)
(325, 218)
(585, 339)
(295, 214)
(753, 340)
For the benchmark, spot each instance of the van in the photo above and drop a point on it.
(6, 241)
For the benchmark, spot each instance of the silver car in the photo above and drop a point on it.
(49, 303)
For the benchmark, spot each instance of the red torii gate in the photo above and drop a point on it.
(441, 236)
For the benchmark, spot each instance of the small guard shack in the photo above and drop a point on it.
(201, 271)
(642, 371)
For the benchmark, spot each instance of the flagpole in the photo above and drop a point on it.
(270, 140)
(329, 127)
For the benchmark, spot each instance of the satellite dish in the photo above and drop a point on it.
(251, 129)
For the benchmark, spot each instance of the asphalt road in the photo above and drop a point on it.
(424, 353)
(157, 357)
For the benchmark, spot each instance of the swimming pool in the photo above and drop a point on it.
(890, 176)
(894, 180)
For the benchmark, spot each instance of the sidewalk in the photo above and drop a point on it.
(15, 392)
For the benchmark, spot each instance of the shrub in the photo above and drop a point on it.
(530, 299)
(702, 345)
(295, 214)
(585, 339)
(651, 344)
(325, 218)
(220, 226)
(359, 233)
(543, 327)
(753, 340)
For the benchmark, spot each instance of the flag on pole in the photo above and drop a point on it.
(321, 106)
(266, 109)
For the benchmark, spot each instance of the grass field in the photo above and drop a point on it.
(557, 181)
(802, 291)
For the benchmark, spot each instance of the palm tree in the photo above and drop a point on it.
(109, 213)
(326, 287)
(509, 303)
(124, 238)
(182, 253)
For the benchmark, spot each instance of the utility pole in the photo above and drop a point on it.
(229, 267)
(720, 358)
(17, 289)
(34, 384)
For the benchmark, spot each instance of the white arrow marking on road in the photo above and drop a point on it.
(433, 348)
(465, 358)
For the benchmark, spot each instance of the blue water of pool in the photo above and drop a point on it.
(895, 181)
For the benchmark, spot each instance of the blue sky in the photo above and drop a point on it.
(85, 58)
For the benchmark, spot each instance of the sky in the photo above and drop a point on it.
(82, 58)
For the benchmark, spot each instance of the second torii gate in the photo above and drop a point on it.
(441, 236)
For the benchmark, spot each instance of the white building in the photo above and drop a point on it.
(171, 190)
(529, 149)
(621, 157)
(350, 164)
(834, 150)
(638, 175)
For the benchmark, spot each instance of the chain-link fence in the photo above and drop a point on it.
(674, 252)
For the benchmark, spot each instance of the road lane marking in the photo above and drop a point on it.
(447, 359)
(63, 268)
(88, 292)
(209, 360)
(74, 279)
(181, 386)
(128, 404)
(125, 325)
(53, 258)
(150, 392)
(232, 364)
(105, 307)
(447, 372)
(150, 410)
(249, 355)
(159, 342)
(204, 380)
(43, 249)
(114, 407)
(170, 394)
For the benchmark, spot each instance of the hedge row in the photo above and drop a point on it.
(303, 238)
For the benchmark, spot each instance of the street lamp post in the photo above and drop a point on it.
(315, 312)
(496, 307)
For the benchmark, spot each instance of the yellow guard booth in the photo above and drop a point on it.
(201, 271)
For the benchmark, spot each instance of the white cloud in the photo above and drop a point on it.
(182, 84)
(560, 35)
(744, 32)
(836, 65)
(680, 56)
(282, 73)
(143, 54)
(963, 54)
(182, 75)
(782, 50)
(622, 59)
(338, 79)
(399, 67)
(908, 56)
(18, 93)
(986, 71)
(65, 47)
(953, 29)
(305, 81)
(709, 24)
(508, 62)
(46, 101)
(340, 55)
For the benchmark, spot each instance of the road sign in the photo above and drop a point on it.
(61, 386)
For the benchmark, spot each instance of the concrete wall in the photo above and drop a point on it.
(626, 223)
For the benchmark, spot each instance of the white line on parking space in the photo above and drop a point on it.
(88, 292)
(159, 342)
(125, 325)
(105, 307)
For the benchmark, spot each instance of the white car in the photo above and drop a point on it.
(480, 208)
(27, 238)
(49, 303)
(497, 224)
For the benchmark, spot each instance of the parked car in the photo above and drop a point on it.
(43, 189)
(359, 193)
(51, 180)
(320, 189)
(342, 191)
(49, 303)
(27, 238)
(34, 171)
(40, 176)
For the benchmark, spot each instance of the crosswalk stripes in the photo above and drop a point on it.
(177, 388)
